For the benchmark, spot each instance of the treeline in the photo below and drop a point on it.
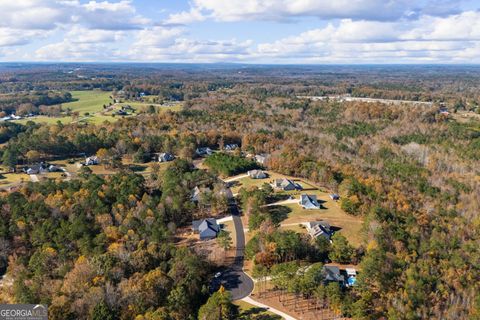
(10, 103)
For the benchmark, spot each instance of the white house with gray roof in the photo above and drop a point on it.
(309, 202)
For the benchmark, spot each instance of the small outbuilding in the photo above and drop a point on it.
(334, 196)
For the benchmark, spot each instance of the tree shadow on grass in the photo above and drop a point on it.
(258, 313)
(137, 168)
(276, 197)
(278, 213)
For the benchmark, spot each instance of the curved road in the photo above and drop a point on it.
(239, 284)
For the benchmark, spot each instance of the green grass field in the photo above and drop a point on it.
(88, 101)
(248, 311)
(92, 102)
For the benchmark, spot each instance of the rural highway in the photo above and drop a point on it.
(239, 284)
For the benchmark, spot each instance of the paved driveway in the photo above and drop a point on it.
(239, 284)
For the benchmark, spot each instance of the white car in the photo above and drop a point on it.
(218, 274)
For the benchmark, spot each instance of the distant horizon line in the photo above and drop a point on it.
(241, 63)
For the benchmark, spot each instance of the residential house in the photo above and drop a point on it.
(197, 193)
(206, 228)
(257, 174)
(227, 192)
(54, 168)
(231, 147)
(319, 228)
(93, 160)
(203, 151)
(261, 158)
(36, 168)
(285, 185)
(165, 157)
(309, 201)
(332, 274)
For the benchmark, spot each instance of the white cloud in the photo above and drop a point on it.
(109, 15)
(24, 21)
(83, 35)
(186, 17)
(463, 26)
(241, 10)
(15, 37)
(158, 37)
(352, 31)
(426, 39)
(70, 51)
(170, 44)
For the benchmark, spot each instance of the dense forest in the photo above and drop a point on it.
(104, 245)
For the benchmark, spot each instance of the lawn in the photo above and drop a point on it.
(88, 101)
(247, 182)
(230, 227)
(350, 226)
(141, 168)
(290, 215)
(92, 102)
(248, 311)
(8, 179)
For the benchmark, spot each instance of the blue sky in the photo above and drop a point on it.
(243, 31)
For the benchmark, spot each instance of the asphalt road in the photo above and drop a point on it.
(233, 278)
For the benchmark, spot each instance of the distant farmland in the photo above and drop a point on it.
(88, 101)
(89, 106)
